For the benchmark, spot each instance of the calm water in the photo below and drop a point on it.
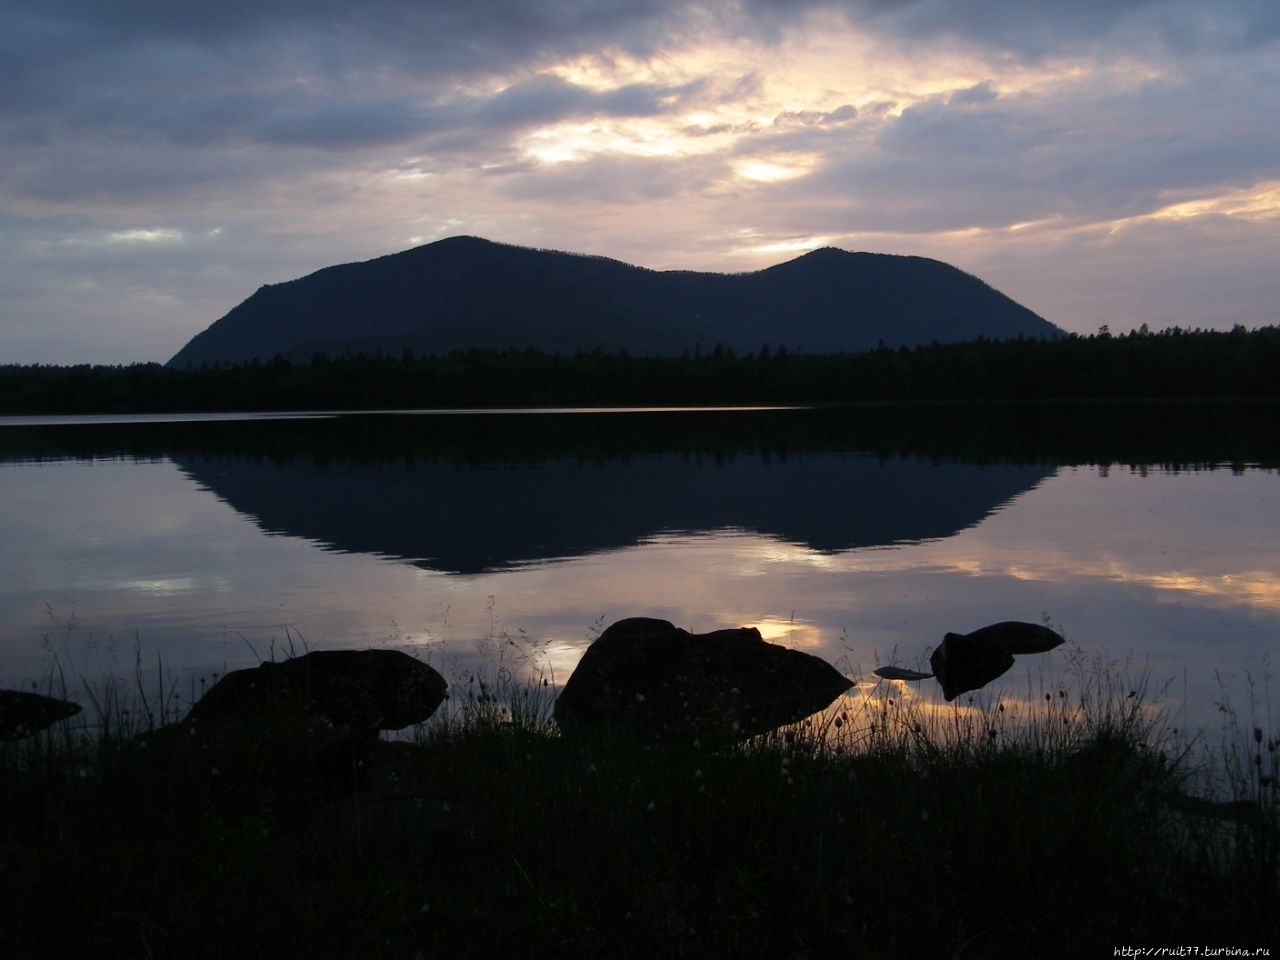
(862, 536)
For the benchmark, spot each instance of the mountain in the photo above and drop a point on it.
(465, 292)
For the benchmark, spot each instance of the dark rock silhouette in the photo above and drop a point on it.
(280, 733)
(900, 673)
(1014, 636)
(649, 678)
(364, 690)
(465, 293)
(23, 714)
(962, 664)
(969, 661)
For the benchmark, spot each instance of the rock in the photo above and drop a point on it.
(900, 673)
(964, 662)
(281, 734)
(649, 678)
(23, 714)
(1014, 636)
(365, 690)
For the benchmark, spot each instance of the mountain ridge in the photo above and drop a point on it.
(466, 293)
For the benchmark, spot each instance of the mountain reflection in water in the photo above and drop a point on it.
(445, 516)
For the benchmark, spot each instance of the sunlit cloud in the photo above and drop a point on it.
(774, 169)
(161, 235)
(134, 237)
(1258, 202)
(566, 143)
(604, 72)
(751, 243)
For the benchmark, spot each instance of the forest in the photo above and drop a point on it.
(1173, 364)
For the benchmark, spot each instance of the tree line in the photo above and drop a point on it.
(1169, 365)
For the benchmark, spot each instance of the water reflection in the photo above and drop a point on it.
(444, 516)
(863, 539)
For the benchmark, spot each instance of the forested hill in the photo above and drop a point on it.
(1172, 365)
(466, 293)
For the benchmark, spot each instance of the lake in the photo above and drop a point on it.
(1149, 537)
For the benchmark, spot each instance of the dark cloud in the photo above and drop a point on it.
(305, 73)
(279, 74)
(547, 99)
(456, 123)
(816, 118)
(1036, 29)
(953, 134)
(979, 93)
(345, 126)
(117, 172)
(441, 37)
(1264, 26)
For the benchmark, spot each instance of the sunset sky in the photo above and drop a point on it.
(1102, 162)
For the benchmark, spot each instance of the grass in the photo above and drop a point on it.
(892, 826)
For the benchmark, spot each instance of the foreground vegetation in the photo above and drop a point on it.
(892, 827)
(1173, 364)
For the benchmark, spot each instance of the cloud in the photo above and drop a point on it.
(614, 181)
(816, 118)
(145, 235)
(545, 99)
(979, 93)
(1043, 29)
(323, 41)
(977, 158)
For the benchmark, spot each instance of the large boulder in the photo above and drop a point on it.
(282, 733)
(364, 690)
(651, 679)
(23, 714)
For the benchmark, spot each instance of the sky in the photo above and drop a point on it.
(1107, 162)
